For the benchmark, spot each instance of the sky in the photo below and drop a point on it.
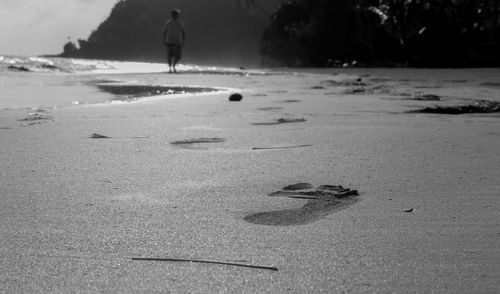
(36, 27)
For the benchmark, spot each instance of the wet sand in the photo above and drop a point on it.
(195, 177)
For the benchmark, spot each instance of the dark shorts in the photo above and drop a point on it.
(174, 51)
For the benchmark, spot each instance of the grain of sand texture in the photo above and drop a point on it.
(79, 213)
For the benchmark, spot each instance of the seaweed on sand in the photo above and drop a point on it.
(480, 106)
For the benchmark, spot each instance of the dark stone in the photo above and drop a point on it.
(290, 120)
(235, 97)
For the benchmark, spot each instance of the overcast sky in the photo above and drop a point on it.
(34, 27)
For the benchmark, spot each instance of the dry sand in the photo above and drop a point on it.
(76, 210)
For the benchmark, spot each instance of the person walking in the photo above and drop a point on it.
(174, 37)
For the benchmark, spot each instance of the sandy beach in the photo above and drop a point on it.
(197, 177)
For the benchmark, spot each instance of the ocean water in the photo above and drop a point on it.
(34, 82)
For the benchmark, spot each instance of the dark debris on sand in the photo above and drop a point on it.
(426, 97)
(98, 136)
(18, 68)
(370, 90)
(491, 84)
(480, 106)
(346, 83)
(290, 101)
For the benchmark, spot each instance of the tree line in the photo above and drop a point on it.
(422, 33)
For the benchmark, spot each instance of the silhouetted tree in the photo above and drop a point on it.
(69, 48)
(439, 33)
(495, 6)
(415, 32)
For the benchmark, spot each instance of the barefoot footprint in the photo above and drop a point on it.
(322, 200)
(280, 121)
(192, 143)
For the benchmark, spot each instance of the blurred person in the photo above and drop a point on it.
(174, 37)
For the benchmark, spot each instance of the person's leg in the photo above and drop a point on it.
(169, 56)
(176, 55)
(175, 63)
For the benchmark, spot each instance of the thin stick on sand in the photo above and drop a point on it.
(272, 268)
(280, 147)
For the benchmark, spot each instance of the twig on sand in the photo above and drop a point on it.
(198, 140)
(280, 147)
(272, 268)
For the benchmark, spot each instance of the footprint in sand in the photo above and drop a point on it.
(322, 200)
(269, 108)
(280, 121)
(290, 101)
(425, 97)
(259, 95)
(192, 143)
(37, 117)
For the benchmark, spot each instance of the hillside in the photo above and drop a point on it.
(218, 32)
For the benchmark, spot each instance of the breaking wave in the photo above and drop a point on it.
(73, 65)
